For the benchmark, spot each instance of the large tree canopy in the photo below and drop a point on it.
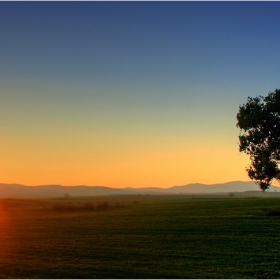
(259, 123)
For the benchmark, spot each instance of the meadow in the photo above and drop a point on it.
(140, 236)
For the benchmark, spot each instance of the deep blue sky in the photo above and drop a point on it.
(155, 75)
(198, 42)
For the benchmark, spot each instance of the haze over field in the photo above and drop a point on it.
(130, 93)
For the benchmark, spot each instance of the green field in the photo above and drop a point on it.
(140, 237)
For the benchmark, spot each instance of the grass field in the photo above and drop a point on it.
(140, 237)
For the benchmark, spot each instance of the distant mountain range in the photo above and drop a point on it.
(21, 191)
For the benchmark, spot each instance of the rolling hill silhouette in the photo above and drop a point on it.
(21, 191)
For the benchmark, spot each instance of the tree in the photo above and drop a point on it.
(259, 123)
(66, 195)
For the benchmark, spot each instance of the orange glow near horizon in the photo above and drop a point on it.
(127, 165)
(67, 141)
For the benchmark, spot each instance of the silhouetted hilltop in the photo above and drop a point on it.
(20, 191)
(236, 186)
(15, 190)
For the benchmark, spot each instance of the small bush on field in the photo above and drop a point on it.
(65, 208)
(118, 205)
(102, 206)
(88, 206)
(272, 212)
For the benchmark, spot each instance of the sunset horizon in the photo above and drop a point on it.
(133, 187)
(130, 93)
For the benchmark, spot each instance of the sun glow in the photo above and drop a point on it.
(6, 232)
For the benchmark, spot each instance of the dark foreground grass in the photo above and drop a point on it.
(140, 237)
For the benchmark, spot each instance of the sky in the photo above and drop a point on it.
(131, 94)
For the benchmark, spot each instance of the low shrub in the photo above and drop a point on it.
(88, 206)
(102, 206)
(272, 212)
(65, 208)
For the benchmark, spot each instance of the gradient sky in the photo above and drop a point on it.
(131, 93)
